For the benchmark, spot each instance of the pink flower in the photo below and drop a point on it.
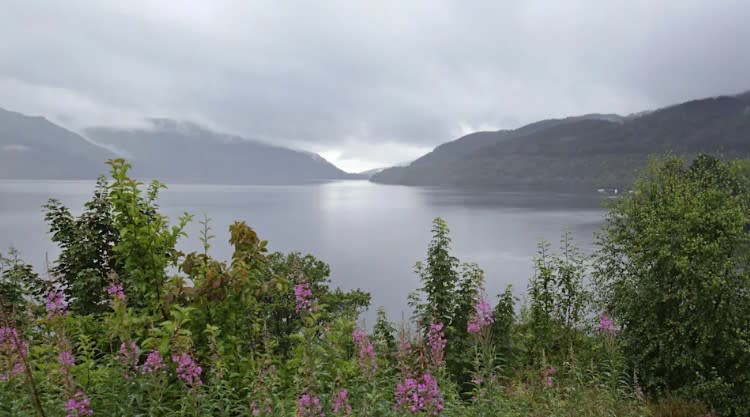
(116, 292)
(482, 316)
(187, 369)
(309, 406)
(340, 404)
(606, 326)
(79, 405)
(473, 327)
(66, 359)
(154, 362)
(420, 395)
(128, 354)
(302, 297)
(13, 349)
(437, 342)
(55, 304)
(367, 360)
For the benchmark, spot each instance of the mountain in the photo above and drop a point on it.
(35, 148)
(583, 152)
(184, 152)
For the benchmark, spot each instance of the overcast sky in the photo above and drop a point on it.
(365, 86)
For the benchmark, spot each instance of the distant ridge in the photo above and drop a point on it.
(35, 148)
(582, 152)
(32, 147)
(185, 152)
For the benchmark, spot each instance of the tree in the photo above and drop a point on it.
(252, 300)
(673, 270)
(86, 244)
(147, 243)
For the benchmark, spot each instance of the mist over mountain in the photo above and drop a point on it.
(185, 152)
(581, 152)
(584, 152)
(35, 148)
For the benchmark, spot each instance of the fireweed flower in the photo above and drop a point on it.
(12, 352)
(79, 406)
(416, 395)
(367, 359)
(116, 292)
(482, 316)
(606, 326)
(340, 404)
(309, 406)
(187, 369)
(128, 354)
(55, 304)
(154, 362)
(403, 357)
(302, 297)
(66, 359)
(437, 342)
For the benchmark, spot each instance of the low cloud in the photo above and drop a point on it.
(351, 77)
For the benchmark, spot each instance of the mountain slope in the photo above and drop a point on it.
(184, 152)
(34, 148)
(584, 152)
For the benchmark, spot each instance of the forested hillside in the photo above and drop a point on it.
(583, 153)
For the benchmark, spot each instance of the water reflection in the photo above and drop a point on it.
(370, 234)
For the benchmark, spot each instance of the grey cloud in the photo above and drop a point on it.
(351, 75)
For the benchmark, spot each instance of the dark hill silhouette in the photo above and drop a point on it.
(593, 151)
(35, 148)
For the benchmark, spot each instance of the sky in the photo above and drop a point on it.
(364, 84)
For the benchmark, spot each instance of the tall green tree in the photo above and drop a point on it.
(147, 242)
(86, 243)
(673, 271)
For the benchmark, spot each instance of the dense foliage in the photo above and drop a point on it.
(673, 268)
(126, 324)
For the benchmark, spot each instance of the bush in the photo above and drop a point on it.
(673, 272)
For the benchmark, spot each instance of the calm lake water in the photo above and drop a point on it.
(370, 234)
